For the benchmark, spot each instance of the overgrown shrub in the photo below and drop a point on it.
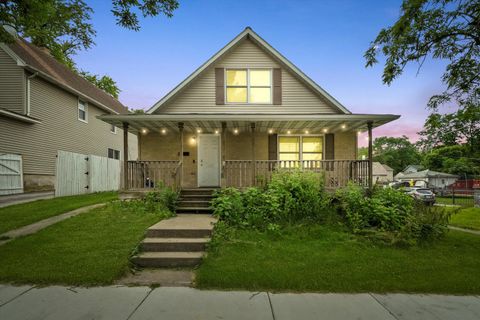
(289, 198)
(161, 200)
(391, 215)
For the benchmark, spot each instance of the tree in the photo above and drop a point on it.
(64, 26)
(105, 83)
(397, 153)
(441, 29)
(462, 126)
(455, 159)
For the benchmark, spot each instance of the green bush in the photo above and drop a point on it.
(162, 198)
(289, 198)
(391, 215)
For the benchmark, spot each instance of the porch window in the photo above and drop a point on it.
(300, 148)
(113, 154)
(249, 86)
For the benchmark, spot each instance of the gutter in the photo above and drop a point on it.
(19, 117)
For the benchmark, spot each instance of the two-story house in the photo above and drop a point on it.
(243, 114)
(46, 107)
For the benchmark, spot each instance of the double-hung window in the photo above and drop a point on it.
(82, 111)
(113, 154)
(248, 86)
(300, 148)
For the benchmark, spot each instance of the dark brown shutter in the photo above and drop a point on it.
(219, 86)
(329, 146)
(272, 147)
(277, 86)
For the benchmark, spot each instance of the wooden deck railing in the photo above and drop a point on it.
(337, 173)
(151, 174)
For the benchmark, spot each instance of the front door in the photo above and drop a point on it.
(208, 160)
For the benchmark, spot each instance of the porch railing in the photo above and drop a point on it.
(151, 174)
(337, 173)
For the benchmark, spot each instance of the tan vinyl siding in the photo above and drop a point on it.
(199, 96)
(60, 130)
(12, 84)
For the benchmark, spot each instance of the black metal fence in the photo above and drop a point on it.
(457, 197)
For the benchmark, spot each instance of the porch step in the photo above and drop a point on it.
(174, 244)
(168, 259)
(198, 191)
(193, 210)
(193, 203)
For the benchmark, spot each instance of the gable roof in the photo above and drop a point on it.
(427, 174)
(248, 32)
(35, 59)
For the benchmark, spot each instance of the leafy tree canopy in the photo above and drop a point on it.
(455, 159)
(441, 29)
(397, 153)
(64, 26)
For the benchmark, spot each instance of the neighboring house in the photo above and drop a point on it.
(243, 114)
(433, 179)
(413, 168)
(46, 107)
(381, 173)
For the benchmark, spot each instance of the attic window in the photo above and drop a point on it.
(253, 86)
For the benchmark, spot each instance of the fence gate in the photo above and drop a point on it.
(11, 174)
(79, 174)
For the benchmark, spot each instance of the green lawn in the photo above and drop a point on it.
(20, 215)
(319, 258)
(90, 249)
(467, 218)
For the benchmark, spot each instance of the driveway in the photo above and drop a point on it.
(119, 302)
(11, 199)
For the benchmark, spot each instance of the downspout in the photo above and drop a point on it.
(28, 104)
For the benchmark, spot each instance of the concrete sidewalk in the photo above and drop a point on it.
(118, 302)
(9, 200)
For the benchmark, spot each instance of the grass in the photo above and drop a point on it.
(16, 216)
(467, 218)
(324, 259)
(460, 201)
(90, 249)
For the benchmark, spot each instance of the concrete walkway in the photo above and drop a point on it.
(12, 199)
(42, 224)
(186, 303)
(465, 230)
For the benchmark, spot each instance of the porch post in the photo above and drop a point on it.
(224, 151)
(370, 156)
(254, 167)
(125, 155)
(180, 158)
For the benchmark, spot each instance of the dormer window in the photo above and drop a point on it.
(248, 86)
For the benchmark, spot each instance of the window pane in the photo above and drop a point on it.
(260, 95)
(312, 156)
(260, 78)
(289, 156)
(81, 114)
(312, 144)
(110, 153)
(237, 95)
(236, 77)
(289, 144)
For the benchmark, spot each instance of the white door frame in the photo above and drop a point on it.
(219, 158)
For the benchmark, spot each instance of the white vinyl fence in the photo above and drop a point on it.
(11, 173)
(79, 174)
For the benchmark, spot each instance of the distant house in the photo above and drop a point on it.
(46, 107)
(433, 179)
(381, 173)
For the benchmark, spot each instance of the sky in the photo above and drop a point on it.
(326, 39)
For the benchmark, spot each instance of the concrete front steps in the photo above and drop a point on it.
(195, 200)
(176, 242)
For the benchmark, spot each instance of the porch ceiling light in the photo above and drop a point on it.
(216, 131)
(164, 131)
(344, 126)
(199, 130)
(289, 132)
(325, 130)
(307, 132)
(144, 131)
(235, 131)
(270, 131)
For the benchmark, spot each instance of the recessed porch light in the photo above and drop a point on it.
(164, 131)
(270, 131)
(289, 132)
(307, 132)
(199, 130)
(344, 126)
(325, 130)
(235, 131)
(144, 131)
(216, 131)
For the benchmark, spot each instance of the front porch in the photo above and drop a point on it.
(190, 151)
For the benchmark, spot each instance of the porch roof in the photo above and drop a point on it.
(279, 123)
